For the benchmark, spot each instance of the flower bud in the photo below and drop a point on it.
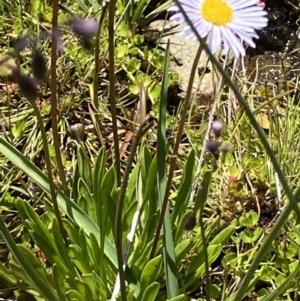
(76, 132)
(216, 128)
(190, 222)
(28, 87)
(85, 28)
(213, 147)
(38, 65)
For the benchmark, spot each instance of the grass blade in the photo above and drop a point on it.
(169, 251)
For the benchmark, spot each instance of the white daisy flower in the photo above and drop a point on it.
(224, 22)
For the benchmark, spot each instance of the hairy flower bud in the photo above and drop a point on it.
(85, 28)
(213, 147)
(38, 65)
(190, 222)
(76, 132)
(28, 87)
(216, 128)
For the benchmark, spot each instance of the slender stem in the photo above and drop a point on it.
(111, 54)
(97, 57)
(175, 152)
(206, 137)
(206, 264)
(118, 224)
(247, 109)
(49, 171)
(55, 134)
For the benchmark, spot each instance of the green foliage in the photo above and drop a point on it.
(241, 245)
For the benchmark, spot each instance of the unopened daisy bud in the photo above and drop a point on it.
(28, 87)
(213, 147)
(85, 28)
(38, 65)
(216, 128)
(76, 132)
(190, 222)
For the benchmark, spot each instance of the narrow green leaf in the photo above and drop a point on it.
(6, 275)
(196, 268)
(27, 213)
(138, 11)
(59, 283)
(95, 251)
(181, 297)
(151, 179)
(78, 257)
(75, 296)
(223, 236)
(96, 285)
(185, 187)
(62, 250)
(84, 290)
(169, 253)
(182, 249)
(150, 272)
(84, 166)
(41, 285)
(86, 197)
(151, 292)
(99, 173)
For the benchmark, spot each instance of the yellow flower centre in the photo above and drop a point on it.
(217, 12)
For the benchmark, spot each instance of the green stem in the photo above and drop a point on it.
(96, 75)
(175, 151)
(97, 57)
(118, 224)
(206, 263)
(55, 134)
(111, 55)
(49, 171)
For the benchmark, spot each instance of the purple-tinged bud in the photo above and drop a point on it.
(38, 65)
(190, 222)
(76, 132)
(85, 28)
(213, 147)
(28, 87)
(216, 128)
